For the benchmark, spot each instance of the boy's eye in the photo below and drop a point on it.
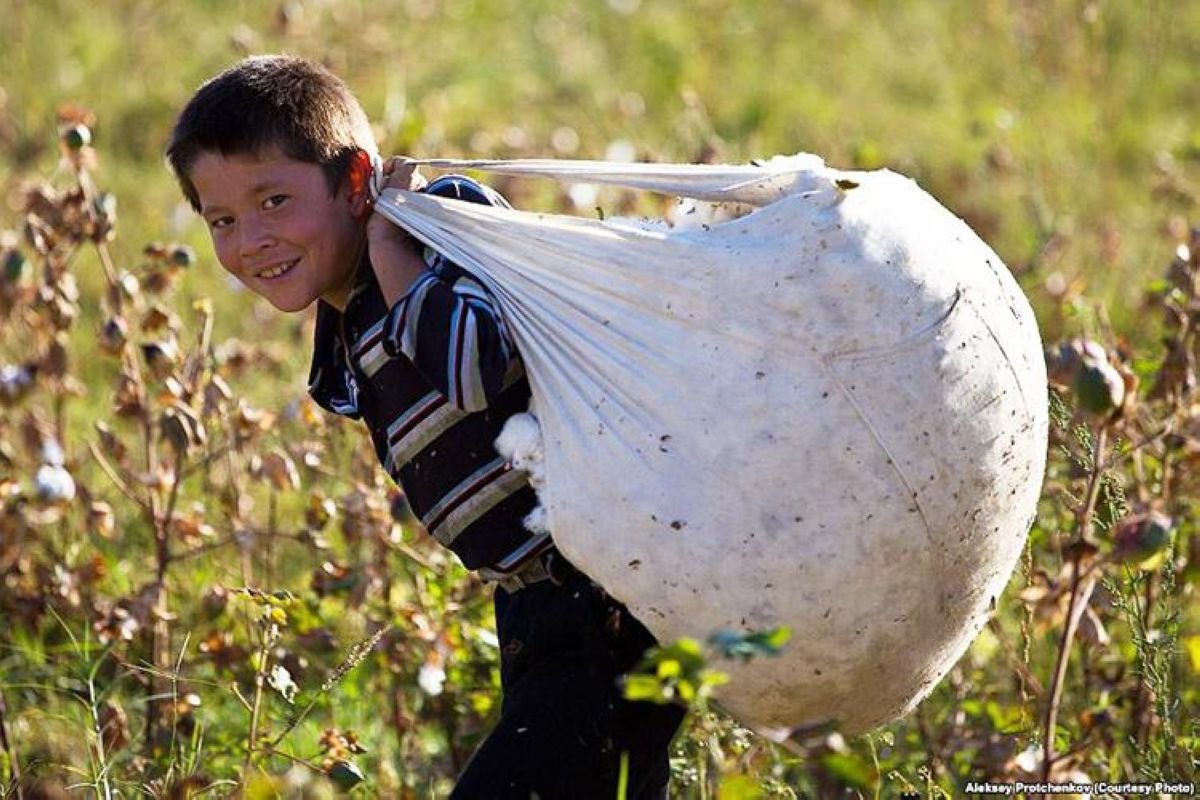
(274, 201)
(216, 223)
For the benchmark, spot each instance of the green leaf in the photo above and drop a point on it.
(850, 768)
(772, 640)
(740, 787)
(481, 702)
(685, 649)
(261, 787)
(281, 598)
(1191, 644)
(644, 687)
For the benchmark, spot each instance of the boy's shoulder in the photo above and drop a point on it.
(460, 187)
(330, 383)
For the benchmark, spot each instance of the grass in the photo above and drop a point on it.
(1065, 132)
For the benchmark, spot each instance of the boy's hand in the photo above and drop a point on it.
(394, 253)
(399, 173)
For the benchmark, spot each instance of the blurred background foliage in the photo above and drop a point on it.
(1065, 132)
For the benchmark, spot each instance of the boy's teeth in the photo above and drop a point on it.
(275, 272)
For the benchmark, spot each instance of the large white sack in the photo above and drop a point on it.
(830, 414)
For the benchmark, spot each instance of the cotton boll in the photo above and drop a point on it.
(537, 521)
(432, 679)
(52, 453)
(583, 196)
(690, 215)
(55, 484)
(521, 443)
(15, 382)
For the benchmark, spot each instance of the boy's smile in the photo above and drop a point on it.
(276, 227)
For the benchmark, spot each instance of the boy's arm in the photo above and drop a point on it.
(395, 255)
(445, 323)
(398, 266)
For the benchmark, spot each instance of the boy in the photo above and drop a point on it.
(276, 154)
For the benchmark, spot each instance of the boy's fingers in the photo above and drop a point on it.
(397, 162)
(402, 173)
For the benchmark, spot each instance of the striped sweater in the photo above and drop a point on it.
(434, 378)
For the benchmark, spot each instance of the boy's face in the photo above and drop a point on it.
(276, 228)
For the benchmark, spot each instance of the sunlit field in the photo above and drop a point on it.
(208, 587)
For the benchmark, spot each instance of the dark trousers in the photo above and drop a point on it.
(564, 724)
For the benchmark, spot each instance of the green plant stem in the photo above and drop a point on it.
(934, 758)
(233, 467)
(398, 724)
(110, 274)
(264, 653)
(161, 632)
(272, 530)
(202, 464)
(270, 748)
(878, 776)
(9, 750)
(163, 528)
(108, 469)
(1029, 681)
(1139, 718)
(60, 420)
(352, 660)
(101, 756)
(1082, 584)
(202, 549)
(623, 778)
(152, 510)
(295, 722)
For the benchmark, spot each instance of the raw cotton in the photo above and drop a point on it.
(521, 443)
(829, 414)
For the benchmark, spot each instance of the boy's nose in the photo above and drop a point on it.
(255, 237)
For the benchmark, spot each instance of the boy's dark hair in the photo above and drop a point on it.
(263, 101)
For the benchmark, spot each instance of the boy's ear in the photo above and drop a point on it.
(359, 177)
